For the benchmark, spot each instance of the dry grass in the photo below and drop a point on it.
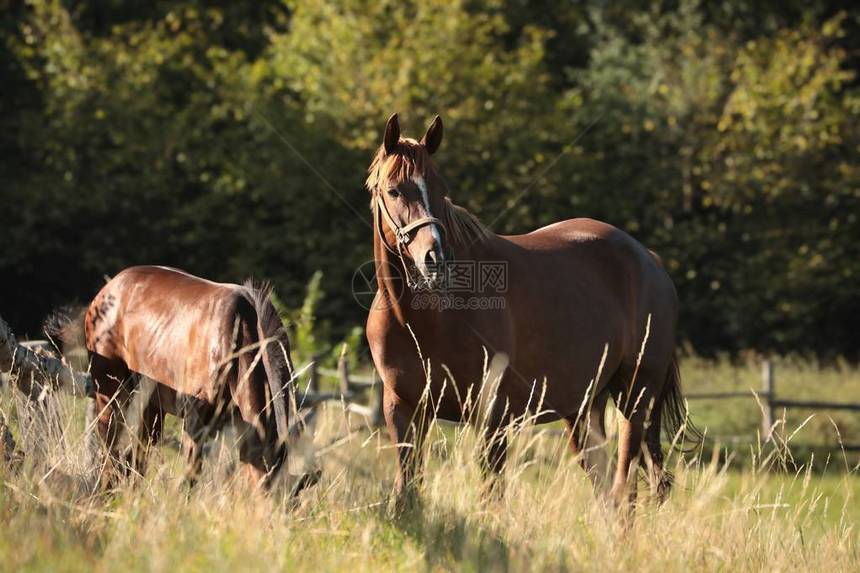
(716, 518)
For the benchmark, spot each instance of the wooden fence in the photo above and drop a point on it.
(353, 387)
(358, 394)
(771, 404)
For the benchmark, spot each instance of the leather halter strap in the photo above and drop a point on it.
(403, 234)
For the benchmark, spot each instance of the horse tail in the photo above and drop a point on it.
(675, 414)
(275, 353)
(65, 328)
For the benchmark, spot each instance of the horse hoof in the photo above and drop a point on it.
(306, 481)
(406, 501)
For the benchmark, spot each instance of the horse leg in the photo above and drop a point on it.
(106, 429)
(192, 448)
(591, 447)
(109, 378)
(406, 427)
(659, 479)
(142, 425)
(494, 453)
(643, 409)
(195, 430)
(630, 433)
(494, 448)
(152, 426)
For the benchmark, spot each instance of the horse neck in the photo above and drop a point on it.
(474, 250)
(393, 290)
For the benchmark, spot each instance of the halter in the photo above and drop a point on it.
(403, 235)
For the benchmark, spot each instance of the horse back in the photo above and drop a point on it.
(607, 256)
(170, 326)
(585, 284)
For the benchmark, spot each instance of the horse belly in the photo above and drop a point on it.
(567, 345)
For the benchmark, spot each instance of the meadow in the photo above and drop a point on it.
(737, 504)
(232, 140)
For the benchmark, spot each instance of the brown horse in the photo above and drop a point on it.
(556, 308)
(164, 341)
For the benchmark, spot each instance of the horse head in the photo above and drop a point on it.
(407, 195)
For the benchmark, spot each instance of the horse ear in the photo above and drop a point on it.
(433, 137)
(392, 133)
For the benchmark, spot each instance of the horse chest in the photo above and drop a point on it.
(451, 359)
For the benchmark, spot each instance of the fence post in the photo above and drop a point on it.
(343, 373)
(376, 415)
(767, 391)
(313, 388)
(313, 376)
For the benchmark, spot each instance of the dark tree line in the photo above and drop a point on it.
(724, 135)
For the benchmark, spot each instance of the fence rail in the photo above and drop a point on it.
(353, 386)
(353, 389)
(770, 403)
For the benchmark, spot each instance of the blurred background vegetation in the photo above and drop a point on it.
(723, 135)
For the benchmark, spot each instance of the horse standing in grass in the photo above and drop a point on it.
(581, 301)
(164, 341)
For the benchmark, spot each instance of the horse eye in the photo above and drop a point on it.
(393, 193)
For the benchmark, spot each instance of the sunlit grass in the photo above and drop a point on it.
(765, 516)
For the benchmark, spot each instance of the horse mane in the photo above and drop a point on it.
(408, 159)
(463, 226)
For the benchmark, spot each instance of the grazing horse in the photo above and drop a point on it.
(164, 341)
(570, 315)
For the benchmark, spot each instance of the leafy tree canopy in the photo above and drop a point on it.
(232, 140)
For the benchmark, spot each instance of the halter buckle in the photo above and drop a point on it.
(403, 237)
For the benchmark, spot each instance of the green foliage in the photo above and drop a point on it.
(308, 335)
(305, 332)
(736, 161)
(232, 140)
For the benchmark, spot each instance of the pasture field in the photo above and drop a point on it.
(750, 508)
